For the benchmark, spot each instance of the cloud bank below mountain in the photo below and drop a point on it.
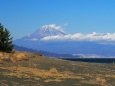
(100, 37)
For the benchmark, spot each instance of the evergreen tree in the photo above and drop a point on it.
(5, 40)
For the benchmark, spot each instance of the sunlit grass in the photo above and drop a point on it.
(26, 72)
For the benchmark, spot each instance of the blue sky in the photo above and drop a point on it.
(23, 17)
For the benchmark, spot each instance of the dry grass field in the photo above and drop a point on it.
(31, 69)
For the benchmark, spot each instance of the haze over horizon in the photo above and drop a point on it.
(76, 16)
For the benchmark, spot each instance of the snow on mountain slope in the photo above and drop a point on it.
(47, 30)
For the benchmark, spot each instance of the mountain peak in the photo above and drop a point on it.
(46, 30)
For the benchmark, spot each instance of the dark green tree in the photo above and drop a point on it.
(5, 40)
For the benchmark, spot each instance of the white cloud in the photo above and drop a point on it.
(107, 37)
(54, 26)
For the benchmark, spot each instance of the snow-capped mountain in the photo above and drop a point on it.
(74, 44)
(47, 30)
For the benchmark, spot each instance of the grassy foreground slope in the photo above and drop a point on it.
(30, 69)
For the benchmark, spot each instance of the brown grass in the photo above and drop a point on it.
(100, 81)
(53, 71)
(20, 56)
(43, 70)
(17, 56)
(48, 75)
